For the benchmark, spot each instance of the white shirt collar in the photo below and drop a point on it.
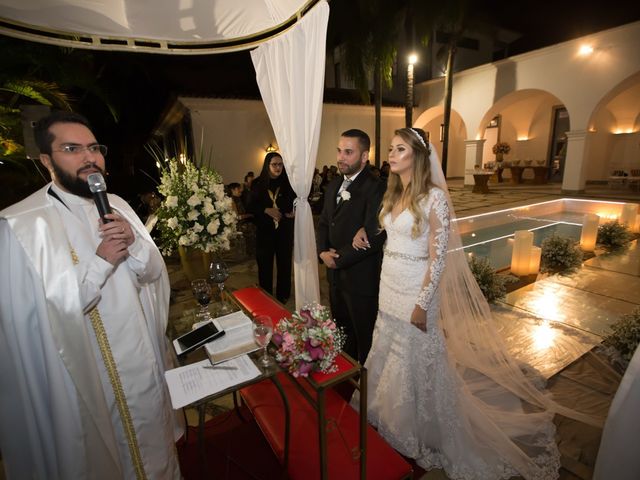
(70, 198)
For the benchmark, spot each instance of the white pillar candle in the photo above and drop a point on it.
(629, 214)
(522, 243)
(534, 260)
(589, 232)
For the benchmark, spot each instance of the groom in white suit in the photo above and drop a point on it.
(83, 311)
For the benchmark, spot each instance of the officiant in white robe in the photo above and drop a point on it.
(83, 312)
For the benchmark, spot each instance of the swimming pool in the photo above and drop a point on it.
(490, 235)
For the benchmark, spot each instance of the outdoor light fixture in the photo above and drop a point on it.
(534, 260)
(589, 232)
(629, 214)
(271, 148)
(521, 255)
(408, 104)
(585, 50)
(442, 132)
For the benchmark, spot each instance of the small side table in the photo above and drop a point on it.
(516, 174)
(540, 175)
(481, 181)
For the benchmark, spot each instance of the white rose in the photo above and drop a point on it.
(218, 190)
(172, 223)
(208, 208)
(228, 218)
(197, 228)
(171, 201)
(183, 240)
(346, 195)
(213, 226)
(193, 215)
(194, 200)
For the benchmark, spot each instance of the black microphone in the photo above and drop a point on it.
(98, 187)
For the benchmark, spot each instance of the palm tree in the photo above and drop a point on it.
(37, 75)
(368, 31)
(452, 19)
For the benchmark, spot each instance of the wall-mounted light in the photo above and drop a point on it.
(271, 148)
(585, 50)
(442, 132)
(620, 131)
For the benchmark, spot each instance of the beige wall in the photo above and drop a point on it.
(601, 93)
(238, 131)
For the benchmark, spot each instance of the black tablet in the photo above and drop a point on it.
(197, 337)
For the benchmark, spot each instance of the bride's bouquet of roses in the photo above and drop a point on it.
(309, 341)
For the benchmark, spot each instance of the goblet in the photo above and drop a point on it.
(218, 274)
(262, 333)
(202, 291)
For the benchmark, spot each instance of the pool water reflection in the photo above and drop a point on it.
(490, 235)
(496, 243)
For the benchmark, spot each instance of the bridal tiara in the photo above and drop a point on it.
(424, 144)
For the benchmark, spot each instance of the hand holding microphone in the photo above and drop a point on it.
(98, 187)
(115, 230)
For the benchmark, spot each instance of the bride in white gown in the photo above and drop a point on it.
(442, 389)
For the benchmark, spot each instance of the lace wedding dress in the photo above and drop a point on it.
(421, 400)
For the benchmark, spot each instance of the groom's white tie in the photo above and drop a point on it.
(345, 184)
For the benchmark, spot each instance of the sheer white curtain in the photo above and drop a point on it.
(290, 74)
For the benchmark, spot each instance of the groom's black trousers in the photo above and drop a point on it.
(357, 315)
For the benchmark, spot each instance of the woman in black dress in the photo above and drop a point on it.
(271, 203)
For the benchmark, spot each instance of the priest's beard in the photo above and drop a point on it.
(75, 185)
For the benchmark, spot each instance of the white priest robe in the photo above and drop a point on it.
(619, 455)
(83, 393)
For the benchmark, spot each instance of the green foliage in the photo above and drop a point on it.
(492, 284)
(613, 235)
(560, 255)
(625, 335)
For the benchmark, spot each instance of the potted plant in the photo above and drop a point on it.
(560, 255)
(195, 214)
(613, 235)
(492, 284)
(625, 336)
(500, 149)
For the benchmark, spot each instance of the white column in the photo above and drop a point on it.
(472, 157)
(574, 177)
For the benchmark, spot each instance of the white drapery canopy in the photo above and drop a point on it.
(289, 62)
(160, 26)
(290, 74)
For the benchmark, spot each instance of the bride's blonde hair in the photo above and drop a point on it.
(420, 182)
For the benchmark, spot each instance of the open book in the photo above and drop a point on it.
(238, 338)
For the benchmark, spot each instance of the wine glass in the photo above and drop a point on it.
(218, 273)
(202, 291)
(262, 333)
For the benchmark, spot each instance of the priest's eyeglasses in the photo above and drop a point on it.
(74, 149)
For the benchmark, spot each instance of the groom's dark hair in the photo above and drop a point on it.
(363, 138)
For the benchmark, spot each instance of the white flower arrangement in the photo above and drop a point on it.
(345, 195)
(195, 211)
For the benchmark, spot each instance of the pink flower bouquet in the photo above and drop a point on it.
(309, 341)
